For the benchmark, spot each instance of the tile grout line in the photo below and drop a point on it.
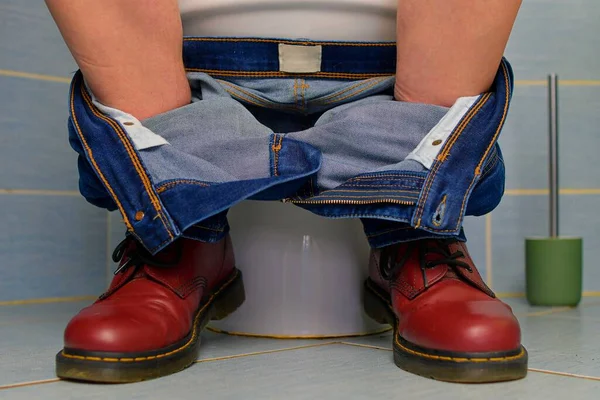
(257, 353)
(37, 77)
(49, 300)
(488, 251)
(39, 192)
(29, 383)
(366, 346)
(557, 310)
(554, 310)
(565, 374)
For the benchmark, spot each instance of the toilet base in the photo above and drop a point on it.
(303, 274)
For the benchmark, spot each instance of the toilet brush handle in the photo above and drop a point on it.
(553, 152)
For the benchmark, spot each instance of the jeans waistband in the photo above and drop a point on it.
(262, 58)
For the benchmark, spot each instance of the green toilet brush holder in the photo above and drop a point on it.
(554, 265)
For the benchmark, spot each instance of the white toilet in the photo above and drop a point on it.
(303, 274)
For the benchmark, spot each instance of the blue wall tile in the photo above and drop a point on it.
(51, 246)
(556, 36)
(476, 242)
(524, 139)
(517, 217)
(35, 153)
(30, 41)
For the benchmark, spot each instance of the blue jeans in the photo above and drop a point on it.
(329, 138)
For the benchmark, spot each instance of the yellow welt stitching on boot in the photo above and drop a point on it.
(189, 342)
(458, 359)
(445, 358)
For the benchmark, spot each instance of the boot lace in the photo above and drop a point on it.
(390, 268)
(129, 253)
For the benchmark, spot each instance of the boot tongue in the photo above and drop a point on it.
(164, 268)
(472, 277)
(414, 280)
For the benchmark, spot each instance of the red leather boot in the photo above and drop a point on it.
(148, 323)
(448, 325)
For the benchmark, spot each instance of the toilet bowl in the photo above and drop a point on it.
(303, 274)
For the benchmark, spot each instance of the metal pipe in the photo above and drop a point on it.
(553, 153)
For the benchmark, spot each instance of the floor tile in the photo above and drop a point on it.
(563, 344)
(31, 335)
(557, 339)
(330, 372)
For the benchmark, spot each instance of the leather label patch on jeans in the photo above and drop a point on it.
(299, 59)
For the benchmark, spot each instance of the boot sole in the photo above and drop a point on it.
(107, 367)
(443, 365)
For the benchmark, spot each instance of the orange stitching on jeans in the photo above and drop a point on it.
(277, 74)
(304, 86)
(265, 103)
(478, 168)
(237, 96)
(136, 162)
(446, 151)
(169, 185)
(505, 112)
(256, 103)
(186, 345)
(235, 87)
(292, 42)
(296, 91)
(93, 161)
(325, 99)
(372, 84)
(430, 179)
